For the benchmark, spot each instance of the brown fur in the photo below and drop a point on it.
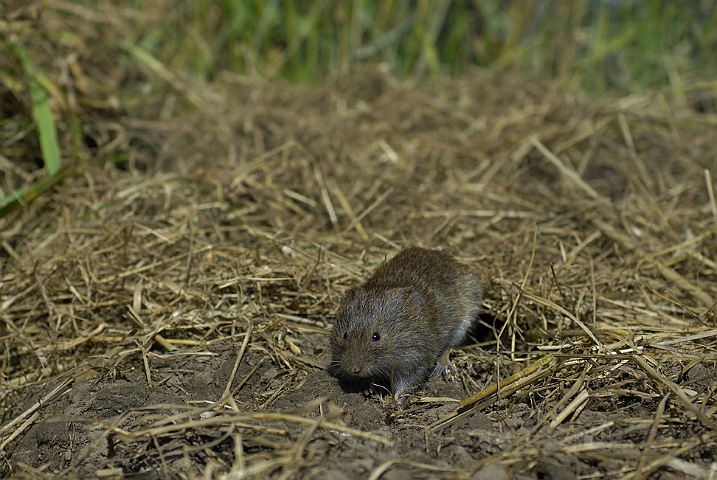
(398, 327)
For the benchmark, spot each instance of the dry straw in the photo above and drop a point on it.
(226, 221)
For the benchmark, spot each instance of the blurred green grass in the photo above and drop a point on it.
(625, 45)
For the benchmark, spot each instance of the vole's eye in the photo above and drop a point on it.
(376, 337)
(346, 335)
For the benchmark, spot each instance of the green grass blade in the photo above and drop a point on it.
(41, 112)
(25, 195)
(14, 196)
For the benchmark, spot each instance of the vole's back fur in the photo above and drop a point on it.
(400, 325)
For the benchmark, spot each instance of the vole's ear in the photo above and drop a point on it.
(412, 298)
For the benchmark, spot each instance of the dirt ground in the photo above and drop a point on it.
(204, 253)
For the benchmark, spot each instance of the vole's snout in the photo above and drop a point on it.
(356, 369)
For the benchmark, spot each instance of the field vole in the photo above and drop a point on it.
(399, 326)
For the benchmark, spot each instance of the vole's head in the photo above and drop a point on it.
(374, 330)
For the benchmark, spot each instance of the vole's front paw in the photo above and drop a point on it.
(397, 403)
(444, 367)
(366, 387)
